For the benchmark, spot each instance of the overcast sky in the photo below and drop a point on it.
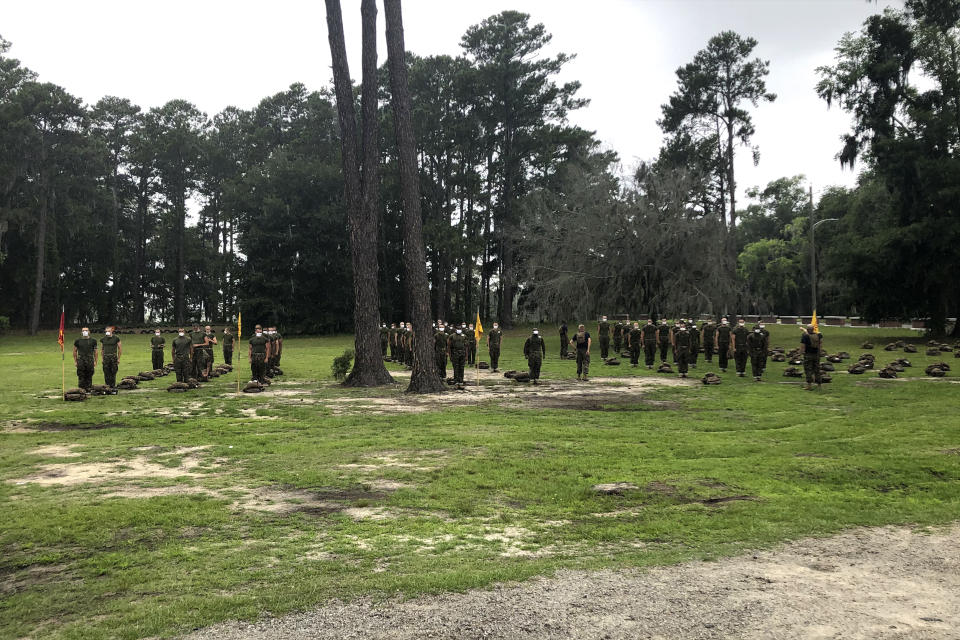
(217, 53)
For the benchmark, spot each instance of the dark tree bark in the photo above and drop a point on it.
(362, 213)
(41, 261)
(179, 300)
(424, 378)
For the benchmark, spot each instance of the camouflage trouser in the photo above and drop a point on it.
(683, 359)
(604, 346)
(258, 367)
(84, 373)
(210, 358)
(617, 343)
(458, 359)
(199, 363)
(723, 352)
(694, 354)
(708, 351)
(811, 367)
(740, 358)
(634, 353)
(441, 359)
(649, 353)
(583, 363)
(494, 356)
(564, 345)
(472, 353)
(534, 362)
(228, 355)
(383, 347)
(110, 366)
(663, 351)
(182, 367)
(157, 358)
(757, 361)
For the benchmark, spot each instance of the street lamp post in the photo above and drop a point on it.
(813, 252)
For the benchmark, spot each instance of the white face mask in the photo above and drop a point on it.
(108, 333)
(459, 330)
(739, 324)
(536, 333)
(259, 333)
(85, 333)
(181, 334)
(496, 327)
(157, 334)
(756, 330)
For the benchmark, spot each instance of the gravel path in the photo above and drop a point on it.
(868, 583)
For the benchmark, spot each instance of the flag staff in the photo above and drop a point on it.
(239, 331)
(63, 371)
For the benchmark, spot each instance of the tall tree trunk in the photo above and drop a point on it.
(178, 298)
(143, 202)
(41, 260)
(424, 378)
(114, 250)
(368, 369)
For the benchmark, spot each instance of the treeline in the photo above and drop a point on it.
(165, 215)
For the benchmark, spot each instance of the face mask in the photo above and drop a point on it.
(85, 333)
(756, 330)
(739, 324)
(157, 334)
(496, 326)
(181, 334)
(536, 332)
(259, 333)
(109, 333)
(459, 331)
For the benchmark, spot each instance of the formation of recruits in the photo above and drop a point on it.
(456, 344)
(191, 353)
(683, 339)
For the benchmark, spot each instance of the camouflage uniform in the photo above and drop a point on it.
(603, 331)
(227, 341)
(440, 352)
(635, 339)
(663, 339)
(534, 349)
(757, 344)
(813, 348)
(457, 346)
(110, 359)
(723, 345)
(741, 349)
(564, 340)
(493, 339)
(157, 343)
(708, 332)
(181, 357)
(618, 332)
(681, 341)
(649, 344)
(199, 341)
(581, 340)
(384, 340)
(258, 357)
(86, 356)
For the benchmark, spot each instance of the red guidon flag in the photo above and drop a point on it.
(60, 338)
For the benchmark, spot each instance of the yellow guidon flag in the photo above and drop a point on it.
(478, 328)
(813, 321)
(239, 323)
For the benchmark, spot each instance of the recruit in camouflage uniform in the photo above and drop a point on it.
(457, 352)
(211, 339)
(471, 345)
(494, 338)
(85, 358)
(763, 360)
(534, 350)
(181, 354)
(198, 356)
(811, 346)
(708, 333)
(603, 331)
(680, 338)
(228, 341)
(757, 343)
(440, 350)
(694, 342)
(258, 354)
(663, 339)
(649, 343)
(157, 344)
(392, 337)
(384, 339)
(564, 339)
(582, 341)
(618, 334)
(722, 343)
(741, 350)
(110, 353)
(635, 342)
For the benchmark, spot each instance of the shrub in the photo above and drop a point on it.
(341, 365)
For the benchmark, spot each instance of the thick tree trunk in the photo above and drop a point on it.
(424, 378)
(178, 299)
(368, 369)
(41, 260)
(114, 251)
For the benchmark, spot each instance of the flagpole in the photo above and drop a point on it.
(239, 332)
(63, 357)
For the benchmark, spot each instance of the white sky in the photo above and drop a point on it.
(217, 53)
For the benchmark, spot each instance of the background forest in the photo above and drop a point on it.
(168, 215)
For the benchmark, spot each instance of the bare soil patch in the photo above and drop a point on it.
(70, 474)
(888, 582)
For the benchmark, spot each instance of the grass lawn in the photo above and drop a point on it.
(151, 513)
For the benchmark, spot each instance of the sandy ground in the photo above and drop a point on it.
(888, 582)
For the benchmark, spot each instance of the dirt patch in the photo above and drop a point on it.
(395, 460)
(251, 412)
(887, 582)
(120, 469)
(951, 452)
(56, 451)
(32, 577)
(83, 426)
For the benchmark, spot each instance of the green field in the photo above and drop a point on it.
(151, 513)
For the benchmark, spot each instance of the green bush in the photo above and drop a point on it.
(4, 324)
(341, 365)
